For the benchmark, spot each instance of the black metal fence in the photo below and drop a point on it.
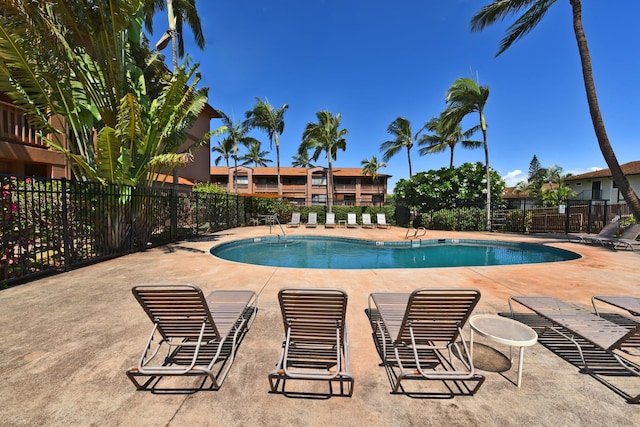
(522, 216)
(51, 225)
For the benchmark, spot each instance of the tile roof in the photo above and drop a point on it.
(631, 168)
(289, 171)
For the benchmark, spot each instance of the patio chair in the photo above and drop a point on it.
(628, 303)
(366, 221)
(352, 221)
(295, 220)
(628, 239)
(193, 333)
(381, 221)
(312, 220)
(315, 346)
(416, 335)
(607, 232)
(588, 333)
(330, 220)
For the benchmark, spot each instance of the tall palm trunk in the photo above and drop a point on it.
(330, 184)
(409, 159)
(278, 163)
(596, 117)
(487, 169)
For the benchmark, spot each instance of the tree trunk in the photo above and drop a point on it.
(330, 184)
(483, 126)
(409, 158)
(596, 117)
(278, 164)
(451, 158)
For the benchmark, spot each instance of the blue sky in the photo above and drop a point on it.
(373, 61)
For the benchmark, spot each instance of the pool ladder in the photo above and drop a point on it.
(284, 235)
(421, 230)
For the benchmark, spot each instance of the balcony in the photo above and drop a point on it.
(14, 127)
(266, 188)
(345, 188)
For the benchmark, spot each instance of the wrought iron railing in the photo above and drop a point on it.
(52, 225)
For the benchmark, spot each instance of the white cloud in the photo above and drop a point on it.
(514, 177)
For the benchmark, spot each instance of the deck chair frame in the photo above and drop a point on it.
(312, 220)
(381, 220)
(295, 220)
(628, 303)
(366, 221)
(330, 220)
(416, 335)
(191, 333)
(315, 346)
(352, 220)
(573, 322)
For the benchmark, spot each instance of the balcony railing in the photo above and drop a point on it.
(14, 126)
(259, 188)
(345, 187)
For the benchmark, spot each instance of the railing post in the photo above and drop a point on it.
(65, 226)
(173, 194)
(568, 217)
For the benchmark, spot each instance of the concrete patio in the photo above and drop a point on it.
(68, 340)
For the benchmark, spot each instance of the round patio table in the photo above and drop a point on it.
(504, 331)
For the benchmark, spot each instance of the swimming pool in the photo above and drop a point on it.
(342, 253)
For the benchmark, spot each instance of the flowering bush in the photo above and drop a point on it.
(448, 188)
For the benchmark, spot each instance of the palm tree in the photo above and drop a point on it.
(325, 135)
(255, 155)
(466, 96)
(179, 12)
(224, 149)
(445, 135)
(527, 188)
(371, 167)
(301, 159)
(535, 11)
(264, 116)
(400, 128)
(236, 135)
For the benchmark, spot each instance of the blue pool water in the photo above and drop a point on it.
(340, 253)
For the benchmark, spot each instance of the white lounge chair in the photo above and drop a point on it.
(352, 221)
(312, 220)
(381, 221)
(295, 220)
(330, 220)
(366, 221)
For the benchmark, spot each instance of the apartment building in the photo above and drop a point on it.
(24, 153)
(304, 186)
(599, 185)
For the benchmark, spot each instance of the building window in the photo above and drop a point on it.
(319, 180)
(294, 181)
(242, 180)
(319, 199)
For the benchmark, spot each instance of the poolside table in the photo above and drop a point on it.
(503, 331)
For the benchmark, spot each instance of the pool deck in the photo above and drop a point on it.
(68, 340)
